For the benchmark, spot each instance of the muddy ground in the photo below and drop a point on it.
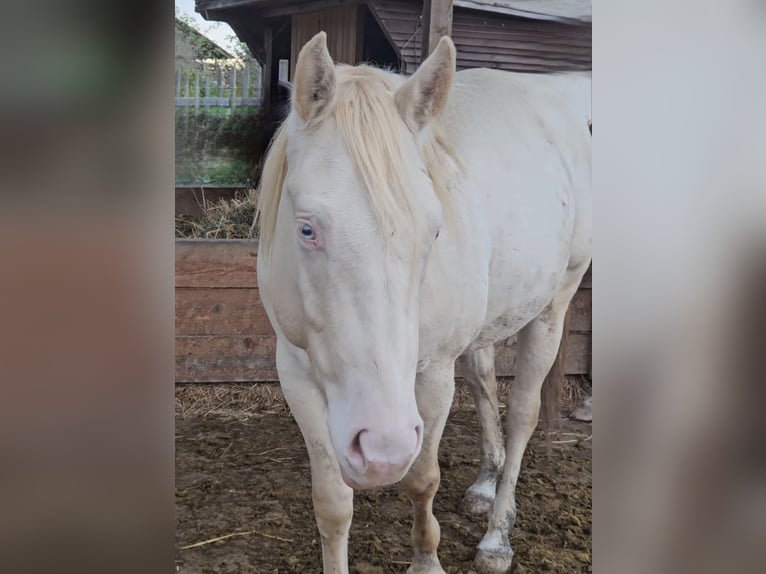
(249, 476)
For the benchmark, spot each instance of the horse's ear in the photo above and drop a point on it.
(314, 82)
(424, 95)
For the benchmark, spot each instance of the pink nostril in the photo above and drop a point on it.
(371, 451)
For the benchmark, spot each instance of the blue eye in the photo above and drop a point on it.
(307, 232)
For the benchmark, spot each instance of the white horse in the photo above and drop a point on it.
(406, 222)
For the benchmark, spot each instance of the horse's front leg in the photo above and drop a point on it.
(333, 499)
(479, 369)
(434, 390)
(538, 345)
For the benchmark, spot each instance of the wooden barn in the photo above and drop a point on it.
(520, 35)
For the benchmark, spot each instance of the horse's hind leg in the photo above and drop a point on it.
(434, 390)
(479, 369)
(538, 345)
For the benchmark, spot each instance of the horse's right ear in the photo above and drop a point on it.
(424, 95)
(314, 83)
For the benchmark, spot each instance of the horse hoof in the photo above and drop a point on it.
(426, 564)
(425, 569)
(493, 558)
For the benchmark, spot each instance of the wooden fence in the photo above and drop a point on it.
(217, 85)
(224, 335)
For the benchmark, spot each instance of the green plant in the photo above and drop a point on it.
(214, 148)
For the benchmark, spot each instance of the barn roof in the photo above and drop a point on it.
(559, 10)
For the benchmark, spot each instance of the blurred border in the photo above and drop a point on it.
(680, 245)
(86, 302)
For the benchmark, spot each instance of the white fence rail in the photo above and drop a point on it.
(215, 85)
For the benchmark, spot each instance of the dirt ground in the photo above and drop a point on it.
(248, 476)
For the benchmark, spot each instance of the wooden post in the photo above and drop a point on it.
(360, 15)
(233, 87)
(207, 83)
(178, 82)
(218, 80)
(284, 70)
(266, 74)
(196, 90)
(437, 22)
(246, 81)
(258, 83)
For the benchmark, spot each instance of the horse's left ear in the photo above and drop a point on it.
(424, 95)
(314, 84)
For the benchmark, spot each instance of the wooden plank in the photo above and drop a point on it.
(577, 358)
(360, 16)
(215, 263)
(196, 90)
(267, 64)
(225, 310)
(225, 359)
(246, 358)
(468, 45)
(437, 22)
(525, 58)
(490, 32)
(233, 87)
(203, 5)
(297, 8)
(207, 80)
(339, 22)
(580, 312)
(220, 311)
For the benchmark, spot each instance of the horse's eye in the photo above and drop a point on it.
(437, 235)
(307, 232)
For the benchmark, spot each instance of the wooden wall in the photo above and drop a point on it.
(343, 27)
(488, 40)
(224, 335)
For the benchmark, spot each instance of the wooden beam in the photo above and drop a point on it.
(304, 7)
(437, 22)
(203, 6)
(266, 71)
(216, 263)
(360, 15)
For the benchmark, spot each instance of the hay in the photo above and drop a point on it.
(233, 534)
(230, 219)
(244, 400)
(228, 400)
